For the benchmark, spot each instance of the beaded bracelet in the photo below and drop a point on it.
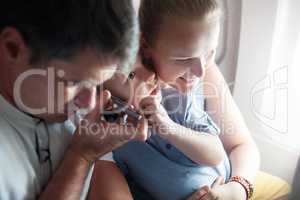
(245, 183)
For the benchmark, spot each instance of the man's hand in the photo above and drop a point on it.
(95, 137)
(220, 191)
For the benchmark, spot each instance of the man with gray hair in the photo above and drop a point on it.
(53, 54)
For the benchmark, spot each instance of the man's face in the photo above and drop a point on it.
(57, 90)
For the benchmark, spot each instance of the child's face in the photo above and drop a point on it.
(143, 84)
(182, 51)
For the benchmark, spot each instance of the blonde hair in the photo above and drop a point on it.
(152, 12)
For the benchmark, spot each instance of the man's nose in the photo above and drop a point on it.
(86, 98)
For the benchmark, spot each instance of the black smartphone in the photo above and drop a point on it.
(121, 107)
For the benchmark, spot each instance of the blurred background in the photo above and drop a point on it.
(259, 54)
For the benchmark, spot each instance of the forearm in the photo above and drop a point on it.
(202, 148)
(245, 161)
(67, 182)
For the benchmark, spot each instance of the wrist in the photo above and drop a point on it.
(76, 158)
(77, 155)
(77, 152)
(243, 183)
(237, 190)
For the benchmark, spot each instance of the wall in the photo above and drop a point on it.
(229, 40)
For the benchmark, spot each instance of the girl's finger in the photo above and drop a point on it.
(218, 181)
(200, 193)
(103, 100)
(208, 196)
(149, 110)
(147, 101)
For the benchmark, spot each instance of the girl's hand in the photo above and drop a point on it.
(220, 191)
(156, 114)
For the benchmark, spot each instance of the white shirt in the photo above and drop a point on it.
(30, 152)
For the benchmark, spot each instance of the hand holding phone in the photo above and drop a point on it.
(121, 108)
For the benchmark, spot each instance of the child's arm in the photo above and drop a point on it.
(108, 183)
(204, 148)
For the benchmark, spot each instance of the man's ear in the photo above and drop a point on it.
(13, 47)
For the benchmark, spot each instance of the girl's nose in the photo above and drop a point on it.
(198, 69)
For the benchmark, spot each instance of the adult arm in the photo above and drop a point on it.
(235, 135)
(85, 149)
(68, 180)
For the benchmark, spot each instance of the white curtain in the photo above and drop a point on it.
(267, 86)
(281, 100)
